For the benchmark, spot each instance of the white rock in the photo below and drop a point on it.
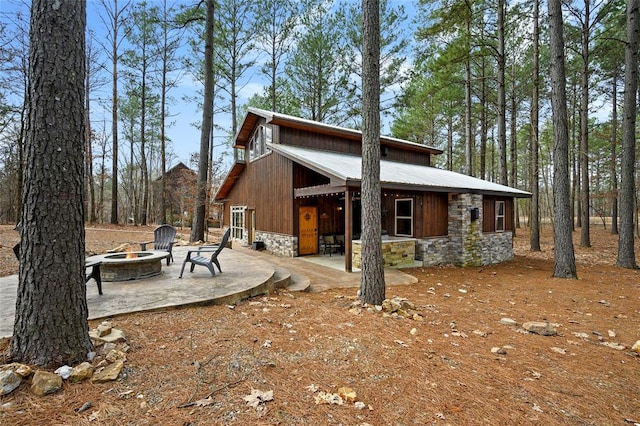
(636, 347)
(614, 345)
(9, 381)
(539, 327)
(499, 350)
(508, 321)
(64, 371)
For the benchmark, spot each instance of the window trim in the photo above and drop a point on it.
(398, 217)
(500, 216)
(238, 231)
(257, 145)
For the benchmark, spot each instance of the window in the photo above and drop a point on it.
(404, 217)
(499, 216)
(237, 222)
(258, 143)
(239, 154)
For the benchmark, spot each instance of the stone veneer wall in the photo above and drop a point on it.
(466, 244)
(434, 251)
(280, 244)
(497, 247)
(396, 253)
(469, 232)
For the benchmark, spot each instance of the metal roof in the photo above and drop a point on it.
(348, 168)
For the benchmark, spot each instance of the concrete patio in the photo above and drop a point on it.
(246, 273)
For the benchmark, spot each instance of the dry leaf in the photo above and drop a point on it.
(328, 398)
(258, 397)
(347, 394)
(204, 402)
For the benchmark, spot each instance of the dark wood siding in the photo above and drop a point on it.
(407, 157)
(306, 139)
(430, 213)
(303, 177)
(266, 186)
(489, 213)
(508, 214)
(435, 222)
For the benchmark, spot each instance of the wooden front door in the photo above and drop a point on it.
(308, 231)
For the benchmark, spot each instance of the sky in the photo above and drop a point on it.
(185, 115)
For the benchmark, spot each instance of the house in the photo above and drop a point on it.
(180, 184)
(294, 180)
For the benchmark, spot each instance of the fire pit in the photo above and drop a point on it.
(133, 265)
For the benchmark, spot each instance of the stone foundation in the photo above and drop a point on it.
(494, 247)
(396, 252)
(280, 244)
(497, 247)
(434, 251)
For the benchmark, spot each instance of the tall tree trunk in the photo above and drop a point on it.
(565, 263)
(585, 239)
(502, 103)
(468, 136)
(576, 205)
(143, 154)
(51, 327)
(514, 146)
(372, 286)
(143, 134)
(90, 184)
(484, 128)
(21, 142)
(535, 110)
(163, 106)
(626, 250)
(114, 114)
(614, 157)
(133, 199)
(199, 220)
(450, 141)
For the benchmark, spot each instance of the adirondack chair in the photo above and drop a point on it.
(164, 236)
(195, 256)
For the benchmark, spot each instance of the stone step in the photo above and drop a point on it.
(283, 278)
(299, 283)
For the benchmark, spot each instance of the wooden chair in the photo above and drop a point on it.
(164, 237)
(195, 258)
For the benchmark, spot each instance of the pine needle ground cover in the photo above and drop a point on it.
(315, 358)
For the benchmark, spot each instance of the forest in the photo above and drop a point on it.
(470, 77)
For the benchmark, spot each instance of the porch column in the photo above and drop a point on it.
(348, 231)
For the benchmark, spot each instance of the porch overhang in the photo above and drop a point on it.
(312, 191)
